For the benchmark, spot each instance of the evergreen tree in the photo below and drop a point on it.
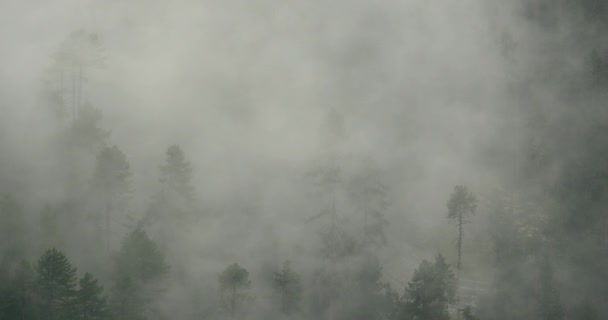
(462, 204)
(175, 198)
(16, 294)
(138, 274)
(111, 184)
(77, 54)
(430, 291)
(90, 301)
(176, 174)
(234, 282)
(56, 284)
(288, 286)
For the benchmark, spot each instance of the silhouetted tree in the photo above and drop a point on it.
(430, 291)
(77, 54)
(234, 281)
(462, 204)
(56, 284)
(140, 268)
(111, 186)
(288, 286)
(176, 196)
(16, 291)
(90, 302)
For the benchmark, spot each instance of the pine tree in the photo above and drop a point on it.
(288, 286)
(234, 282)
(16, 291)
(175, 198)
(90, 301)
(77, 54)
(111, 184)
(138, 274)
(176, 174)
(56, 284)
(462, 204)
(430, 291)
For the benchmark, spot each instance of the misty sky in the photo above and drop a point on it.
(245, 87)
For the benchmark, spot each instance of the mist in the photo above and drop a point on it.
(171, 148)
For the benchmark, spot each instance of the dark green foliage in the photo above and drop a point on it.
(140, 268)
(128, 301)
(56, 284)
(289, 288)
(90, 301)
(141, 258)
(234, 282)
(430, 291)
(16, 291)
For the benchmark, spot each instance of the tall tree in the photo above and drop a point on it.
(16, 291)
(430, 291)
(461, 205)
(234, 282)
(90, 302)
(368, 193)
(175, 198)
(111, 185)
(138, 274)
(56, 284)
(365, 297)
(77, 54)
(289, 288)
(176, 174)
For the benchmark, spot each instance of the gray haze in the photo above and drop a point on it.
(430, 93)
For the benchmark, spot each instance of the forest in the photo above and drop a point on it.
(334, 160)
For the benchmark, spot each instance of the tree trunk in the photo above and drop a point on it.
(458, 266)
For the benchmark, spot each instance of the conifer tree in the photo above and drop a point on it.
(138, 274)
(111, 185)
(234, 282)
(461, 205)
(90, 302)
(430, 291)
(56, 284)
(288, 286)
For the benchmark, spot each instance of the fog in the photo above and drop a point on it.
(263, 97)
